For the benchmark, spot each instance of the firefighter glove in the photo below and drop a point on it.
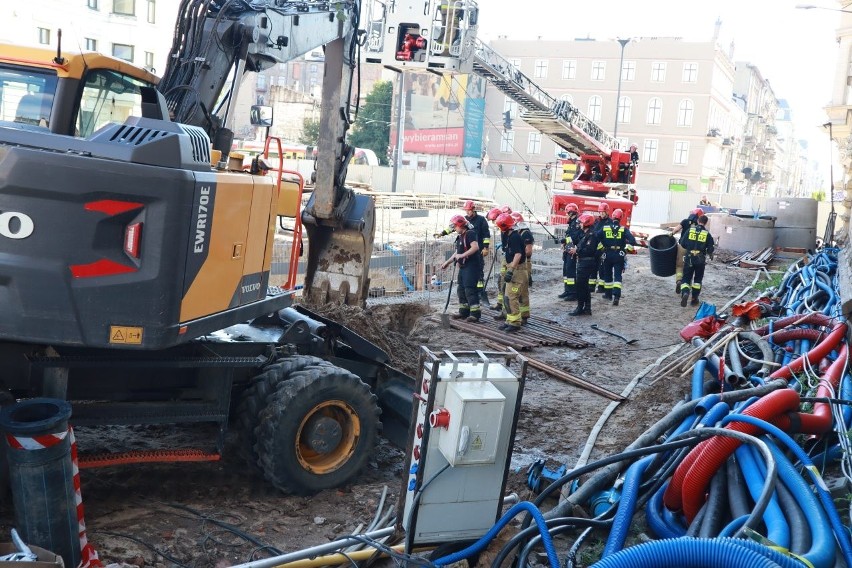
(437, 235)
(485, 252)
(508, 277)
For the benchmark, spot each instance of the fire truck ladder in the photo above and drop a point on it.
(559, 120)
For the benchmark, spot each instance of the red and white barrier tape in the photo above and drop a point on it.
(88, 554)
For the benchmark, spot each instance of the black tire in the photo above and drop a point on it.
(337, 410)
(254, 399)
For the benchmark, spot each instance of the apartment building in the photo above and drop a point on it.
(676, 102)
(139, 31)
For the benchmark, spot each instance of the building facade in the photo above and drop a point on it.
(700, 121)
(139, 31)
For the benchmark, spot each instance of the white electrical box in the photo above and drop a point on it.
(476, 409)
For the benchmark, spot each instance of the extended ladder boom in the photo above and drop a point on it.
(560, 120)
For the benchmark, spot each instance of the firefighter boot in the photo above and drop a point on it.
(694, 301)
(578, 310)
(587, 309)
(615, 300)
(607, 295)
(564, 294)
(684, 298)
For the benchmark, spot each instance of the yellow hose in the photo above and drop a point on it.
(337, 558)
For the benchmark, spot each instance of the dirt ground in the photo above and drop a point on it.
(173, 515)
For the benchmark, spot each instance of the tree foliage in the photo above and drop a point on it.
(372, 127)
(310, 131)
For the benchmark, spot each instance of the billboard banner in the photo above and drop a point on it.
(444, 114)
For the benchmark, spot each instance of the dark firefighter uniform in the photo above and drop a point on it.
(483, 236)
(569, 261)
(516, 279)
(685, 224)
(588, 252)
(470, 269)
(595, 278)
(616, 241)
(698, 244)
(529, 240)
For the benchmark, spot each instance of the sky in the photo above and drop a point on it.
(794, 49)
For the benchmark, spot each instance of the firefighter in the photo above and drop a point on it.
(515, 275)
(587, 250)
(468, 256)
(603, 220)
(617, 241)
(699, 244)
(483, 236)
(683, 229)
(569, 262)
(501, 283)
(529, 240)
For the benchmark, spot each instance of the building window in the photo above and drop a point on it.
(123, 51)
(628, 71)
(625, 105)
(649, 151)
(44, 36)
(681, 153)
(569, 69)
(540, 69)
(655, 111)
(534, 143)
(595, 107)
(598, 70)
(124, 7)
(152, 12)
(91, 44)
(510, 105)
(567, 98)
(684, 113)
(149, 60)
(507, 142)
(690, 72)
(92, 4)
(658, 71)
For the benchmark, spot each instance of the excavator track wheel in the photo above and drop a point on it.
(254, 398)
(317, 431)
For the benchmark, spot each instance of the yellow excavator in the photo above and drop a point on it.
(135, 265)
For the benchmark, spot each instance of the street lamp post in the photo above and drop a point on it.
(623, 42)
(730, 165)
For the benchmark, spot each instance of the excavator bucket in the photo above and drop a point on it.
(339, 252)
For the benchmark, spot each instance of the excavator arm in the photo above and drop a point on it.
(215, 43)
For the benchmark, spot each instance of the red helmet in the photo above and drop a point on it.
(603, 207)
(469, 206)
(587, 220)
(506, 209)
(517, 217)
(617, 214)
(458, 221)
(572, 208)
(505, 222)
(698, 211)
(493, 214)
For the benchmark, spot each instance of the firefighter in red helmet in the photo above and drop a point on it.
(587, 250)
(469, 259)
(617, 241)
(483, 235)
(683, 229)
(569, 262)
(527, 237)
(595, 279)
(515, 275)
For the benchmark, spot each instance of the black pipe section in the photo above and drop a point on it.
(739, 501)
(716, 516)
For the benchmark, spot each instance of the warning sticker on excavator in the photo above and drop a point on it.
(128, 335)
(478, 441)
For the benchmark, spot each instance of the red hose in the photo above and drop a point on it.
(771, 407)
(816, 354)
(672, 497)
(819, 421)
(810, 319)
(813, 335)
